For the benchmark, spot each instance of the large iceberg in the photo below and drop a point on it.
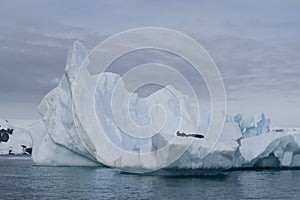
(61, 139)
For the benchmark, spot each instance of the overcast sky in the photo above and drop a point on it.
(256, 45)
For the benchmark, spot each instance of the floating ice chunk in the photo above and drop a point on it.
(14, 140)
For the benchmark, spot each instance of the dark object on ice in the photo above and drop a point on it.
(189, 135)
(4, 134)
(196, 135)
(280, 130)
(4, 137)
(28, 151)
(10, 131)
(10, 152)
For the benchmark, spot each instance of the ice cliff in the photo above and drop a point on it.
(59, 138)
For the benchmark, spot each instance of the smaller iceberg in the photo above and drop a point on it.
(14, 140)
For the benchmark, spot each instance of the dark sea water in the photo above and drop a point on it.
(19, 179)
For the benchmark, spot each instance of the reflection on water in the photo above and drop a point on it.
(19, 179)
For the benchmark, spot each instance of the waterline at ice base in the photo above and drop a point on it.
(61, 139)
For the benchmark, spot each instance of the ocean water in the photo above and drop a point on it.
(19, 179)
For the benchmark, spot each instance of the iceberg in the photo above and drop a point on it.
(61, 137)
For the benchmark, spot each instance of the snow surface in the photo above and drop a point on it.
(61, 138)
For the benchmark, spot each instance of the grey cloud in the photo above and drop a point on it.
(32, 58)
(255, 44)
(249, 65)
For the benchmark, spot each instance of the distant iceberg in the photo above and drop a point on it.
(14, 140)
(59, 138)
